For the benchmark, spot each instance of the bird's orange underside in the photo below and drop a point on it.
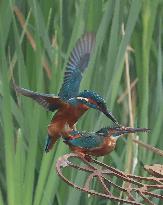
(107, 147)
(66, 115)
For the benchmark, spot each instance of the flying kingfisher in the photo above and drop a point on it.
(70, 104)
(97, 143)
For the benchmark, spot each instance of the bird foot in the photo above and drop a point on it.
(88, 158)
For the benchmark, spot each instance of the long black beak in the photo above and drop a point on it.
(126, 130)
(111, 116)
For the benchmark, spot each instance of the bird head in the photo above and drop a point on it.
(95, 101)
(116, 132)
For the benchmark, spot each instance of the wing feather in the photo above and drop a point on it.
(48, 101)
(86, 141)
(76, 65)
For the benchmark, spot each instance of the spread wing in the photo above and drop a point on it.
(76, 65)
(48, 101)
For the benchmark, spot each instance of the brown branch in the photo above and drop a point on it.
(146, 199)
(149, 147)
(142, 186)
(30, 38)
(125, 93)
(22, 22)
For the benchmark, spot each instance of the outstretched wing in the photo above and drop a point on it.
(77, 63)
(48, 101)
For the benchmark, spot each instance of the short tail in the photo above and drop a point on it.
(49, 144)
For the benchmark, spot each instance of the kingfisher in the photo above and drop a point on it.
(70, 104)
(99, 143)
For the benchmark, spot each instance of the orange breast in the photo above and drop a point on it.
(72, 113)
(66, 115)
(107, 147)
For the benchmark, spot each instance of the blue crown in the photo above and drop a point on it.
(93, 95)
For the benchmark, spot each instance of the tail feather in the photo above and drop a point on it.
(48, 144)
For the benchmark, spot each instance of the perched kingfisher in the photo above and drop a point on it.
(70, 105)
(97, 143)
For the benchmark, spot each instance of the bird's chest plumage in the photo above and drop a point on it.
(66, 115)
(107, 146)
(73, 113)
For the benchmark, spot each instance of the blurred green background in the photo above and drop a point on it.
(36, 38)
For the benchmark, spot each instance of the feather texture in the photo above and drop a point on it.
(86, 140)
(93, 140)
(48, 101)
(76, 65)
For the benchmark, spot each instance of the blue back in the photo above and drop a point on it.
(87, 141)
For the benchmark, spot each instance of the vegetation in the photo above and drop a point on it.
(36, 38)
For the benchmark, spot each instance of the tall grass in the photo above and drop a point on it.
(36, 38)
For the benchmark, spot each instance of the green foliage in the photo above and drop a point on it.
(37, 51)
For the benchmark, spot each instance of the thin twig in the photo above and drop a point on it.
(130, 157)
(125, 93)
(30, 38)
(149, 147)
(24, 26)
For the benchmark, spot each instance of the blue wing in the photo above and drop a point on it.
(48, 101)
(77, 63)
(86, 141)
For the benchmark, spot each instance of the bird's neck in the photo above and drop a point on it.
(83, 107)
